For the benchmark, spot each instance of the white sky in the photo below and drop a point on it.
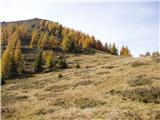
(131, 23)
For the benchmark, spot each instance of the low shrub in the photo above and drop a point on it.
(138, 63)
(61, 63)
(77, 65)
(60, 75)
(139, 82)
(79, 103)
(155, 59)
(146, 95)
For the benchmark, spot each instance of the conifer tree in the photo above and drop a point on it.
(38, 63)
(125, 51)
(35, 38)
(99, 45)
(45, 41)
(67, 44)
(52, 42)
(19, 58)
(114, 50)
(106, 48)
(49, 60)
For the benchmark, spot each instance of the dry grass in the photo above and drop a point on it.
(104, 87)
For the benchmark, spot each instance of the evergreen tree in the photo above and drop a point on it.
(38, 63)
(114, 50)
(106, 48)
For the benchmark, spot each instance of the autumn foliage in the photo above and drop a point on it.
(45, 36)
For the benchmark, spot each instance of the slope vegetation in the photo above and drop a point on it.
(102, 87)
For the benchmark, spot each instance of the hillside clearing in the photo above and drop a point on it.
(99, 89)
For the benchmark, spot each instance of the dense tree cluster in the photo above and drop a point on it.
(47, 35)
(12, 59)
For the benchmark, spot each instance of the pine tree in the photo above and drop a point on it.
(114, 50)
(38, 63)
(106, 48)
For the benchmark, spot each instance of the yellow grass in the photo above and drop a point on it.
(91, 92)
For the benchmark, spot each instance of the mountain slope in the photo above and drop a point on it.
(104, 87)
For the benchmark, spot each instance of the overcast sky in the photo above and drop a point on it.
(135, 24)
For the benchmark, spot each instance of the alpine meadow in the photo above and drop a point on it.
(50, 71)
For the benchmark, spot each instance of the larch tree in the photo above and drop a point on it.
(45, 41)
(19, 58)
(67, 44)
(35, 38)
(99, 45)
(49, 60)
(125, 51)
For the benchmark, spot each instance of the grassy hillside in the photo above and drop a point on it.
(38, 36)
(104, 87)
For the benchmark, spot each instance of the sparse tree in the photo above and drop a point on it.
(19, 58)
(38, 63)
(114, 50)
(125, 51)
